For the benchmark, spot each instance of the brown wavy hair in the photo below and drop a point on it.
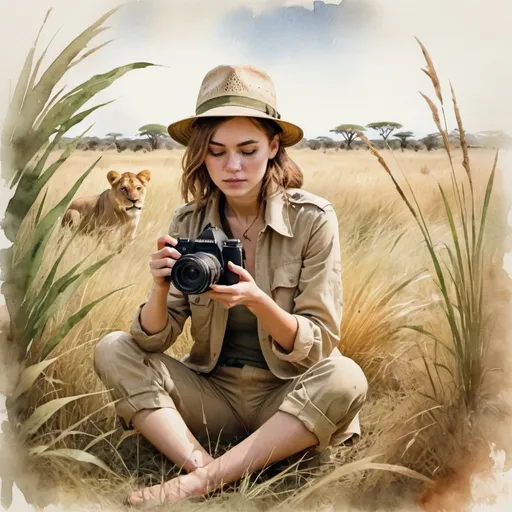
(282, 171)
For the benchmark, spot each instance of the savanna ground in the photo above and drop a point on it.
(408, 420)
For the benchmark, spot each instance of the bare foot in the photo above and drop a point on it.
(177, 489)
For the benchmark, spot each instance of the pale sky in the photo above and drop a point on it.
(355, 62)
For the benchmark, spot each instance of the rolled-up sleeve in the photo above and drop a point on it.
(178, 310)
(318, 305)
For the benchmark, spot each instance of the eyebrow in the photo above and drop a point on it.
(246, 143)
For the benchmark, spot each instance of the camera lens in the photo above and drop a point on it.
(195, 273)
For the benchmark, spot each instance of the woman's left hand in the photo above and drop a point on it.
(245, 292)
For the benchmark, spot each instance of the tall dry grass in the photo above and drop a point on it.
(387, 283)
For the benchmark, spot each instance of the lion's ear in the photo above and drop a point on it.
(144, 176)
(113, 176)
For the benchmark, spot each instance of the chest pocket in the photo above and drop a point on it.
(284, 284)
(201, 309)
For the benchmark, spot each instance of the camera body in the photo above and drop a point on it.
(204, 261)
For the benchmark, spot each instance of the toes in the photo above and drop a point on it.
(139, 497)
(136, 499)
(148, 496)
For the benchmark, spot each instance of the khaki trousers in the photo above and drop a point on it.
(231, 402)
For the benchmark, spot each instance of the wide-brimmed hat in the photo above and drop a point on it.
(236, 91)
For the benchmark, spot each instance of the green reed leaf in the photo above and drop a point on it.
(79, 456)
(73, 320)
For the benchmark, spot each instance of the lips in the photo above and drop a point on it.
(234, 181)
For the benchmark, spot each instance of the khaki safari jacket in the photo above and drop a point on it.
(297, 264)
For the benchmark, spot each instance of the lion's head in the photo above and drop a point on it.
(128, 190)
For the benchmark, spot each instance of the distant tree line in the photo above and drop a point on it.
(151, 137)
(390, 136)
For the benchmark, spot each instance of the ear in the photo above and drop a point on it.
(274, 147)
(113, 176)
(144, 176)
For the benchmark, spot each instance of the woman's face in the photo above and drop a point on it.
(237, 157)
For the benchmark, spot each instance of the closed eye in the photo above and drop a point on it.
(246, 153)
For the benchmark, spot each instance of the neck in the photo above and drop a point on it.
(243, 207)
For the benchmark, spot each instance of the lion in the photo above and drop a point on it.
(117, 209)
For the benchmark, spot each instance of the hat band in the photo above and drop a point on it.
(238, 101)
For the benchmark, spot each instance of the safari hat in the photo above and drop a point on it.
(236, 91)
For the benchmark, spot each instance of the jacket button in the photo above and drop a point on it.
(290, 279)
(197, 300)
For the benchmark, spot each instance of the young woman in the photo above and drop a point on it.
(264, 365)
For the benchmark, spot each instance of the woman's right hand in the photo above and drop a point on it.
(163, 260)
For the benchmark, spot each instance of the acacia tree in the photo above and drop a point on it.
(327, 142)
(432, 141)
(153, 132)
(114, 135)
(385, 128)
(349, 132)
(403, 136)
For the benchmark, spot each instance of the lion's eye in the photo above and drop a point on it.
(123, 189)
(138, 188)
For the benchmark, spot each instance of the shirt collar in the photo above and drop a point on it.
(276, 213)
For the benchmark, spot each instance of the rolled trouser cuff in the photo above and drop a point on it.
(312, 418)
(146, 399)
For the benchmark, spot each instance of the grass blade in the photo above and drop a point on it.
(44, 412)
(31, 309)
(48, 106)
(29, 376)
(33, 257)
(62, 290)
(38, 97)
(70, 322)
(66, 107)
(89, 53)
(339, 472)
(394, 291)
(15, 107)
(101, 437)
(80, 456)
(487, 199)
(40, 209)
(421, 330)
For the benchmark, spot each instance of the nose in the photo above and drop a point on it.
(233, 164)
(132, 200)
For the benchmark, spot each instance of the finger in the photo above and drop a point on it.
(161, 272)
(237, 269)
(222, 298)
(158, 264)
(162, 263)
(165, 239)
(166, 252)
(224, 289)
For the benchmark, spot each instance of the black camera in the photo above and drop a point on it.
(204, 261)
